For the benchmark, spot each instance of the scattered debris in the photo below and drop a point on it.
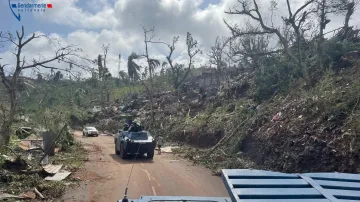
(52, 169)
(58, 149)
(38, 193)
(24, 132)
(172, 161)
(28, 195)
(30, 144)
(167, 149)
(277, 116)
(62, 174)
(4, 196)
(26, 165)
(15, 164)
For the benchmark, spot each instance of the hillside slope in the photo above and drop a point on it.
(306, 130)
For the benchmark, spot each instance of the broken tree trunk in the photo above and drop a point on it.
(5, 131)
(48, 138)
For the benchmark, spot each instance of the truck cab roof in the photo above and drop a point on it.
(246, 185)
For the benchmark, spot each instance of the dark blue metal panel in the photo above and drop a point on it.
(246, 185)
(335, 176)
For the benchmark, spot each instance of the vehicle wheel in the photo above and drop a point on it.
(122, 152)
(117, 152)
(96, 135)
(150, 155)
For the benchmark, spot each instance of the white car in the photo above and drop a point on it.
(90, 131)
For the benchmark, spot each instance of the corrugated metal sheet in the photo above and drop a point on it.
(246, 185)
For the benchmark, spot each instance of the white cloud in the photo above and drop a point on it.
(69, 13)
(117, 22)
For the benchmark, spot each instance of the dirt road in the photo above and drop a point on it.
(106, 175)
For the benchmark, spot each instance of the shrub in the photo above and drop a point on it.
(277, 75)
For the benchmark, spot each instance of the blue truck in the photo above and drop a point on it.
(246, 185)
(134, 143)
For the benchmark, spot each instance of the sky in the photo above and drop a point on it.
(91, 23)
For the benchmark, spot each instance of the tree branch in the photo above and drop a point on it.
(30, 39)
(303, 7)
(257, 54)
(238, 33)
(62, 57)
(289, 8)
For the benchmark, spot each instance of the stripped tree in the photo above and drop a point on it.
(178, 71)
(10, 74)
(294, 19)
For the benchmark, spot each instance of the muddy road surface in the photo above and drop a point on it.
(104, 176)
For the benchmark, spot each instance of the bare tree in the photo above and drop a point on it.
(350, 8)
(326, 7)
(149, 34)
(103, 74)
(297, 20)
(10, 77)
(148, 71)
(217, 54)
(176, 69)
(323, 10)
(251, 10)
